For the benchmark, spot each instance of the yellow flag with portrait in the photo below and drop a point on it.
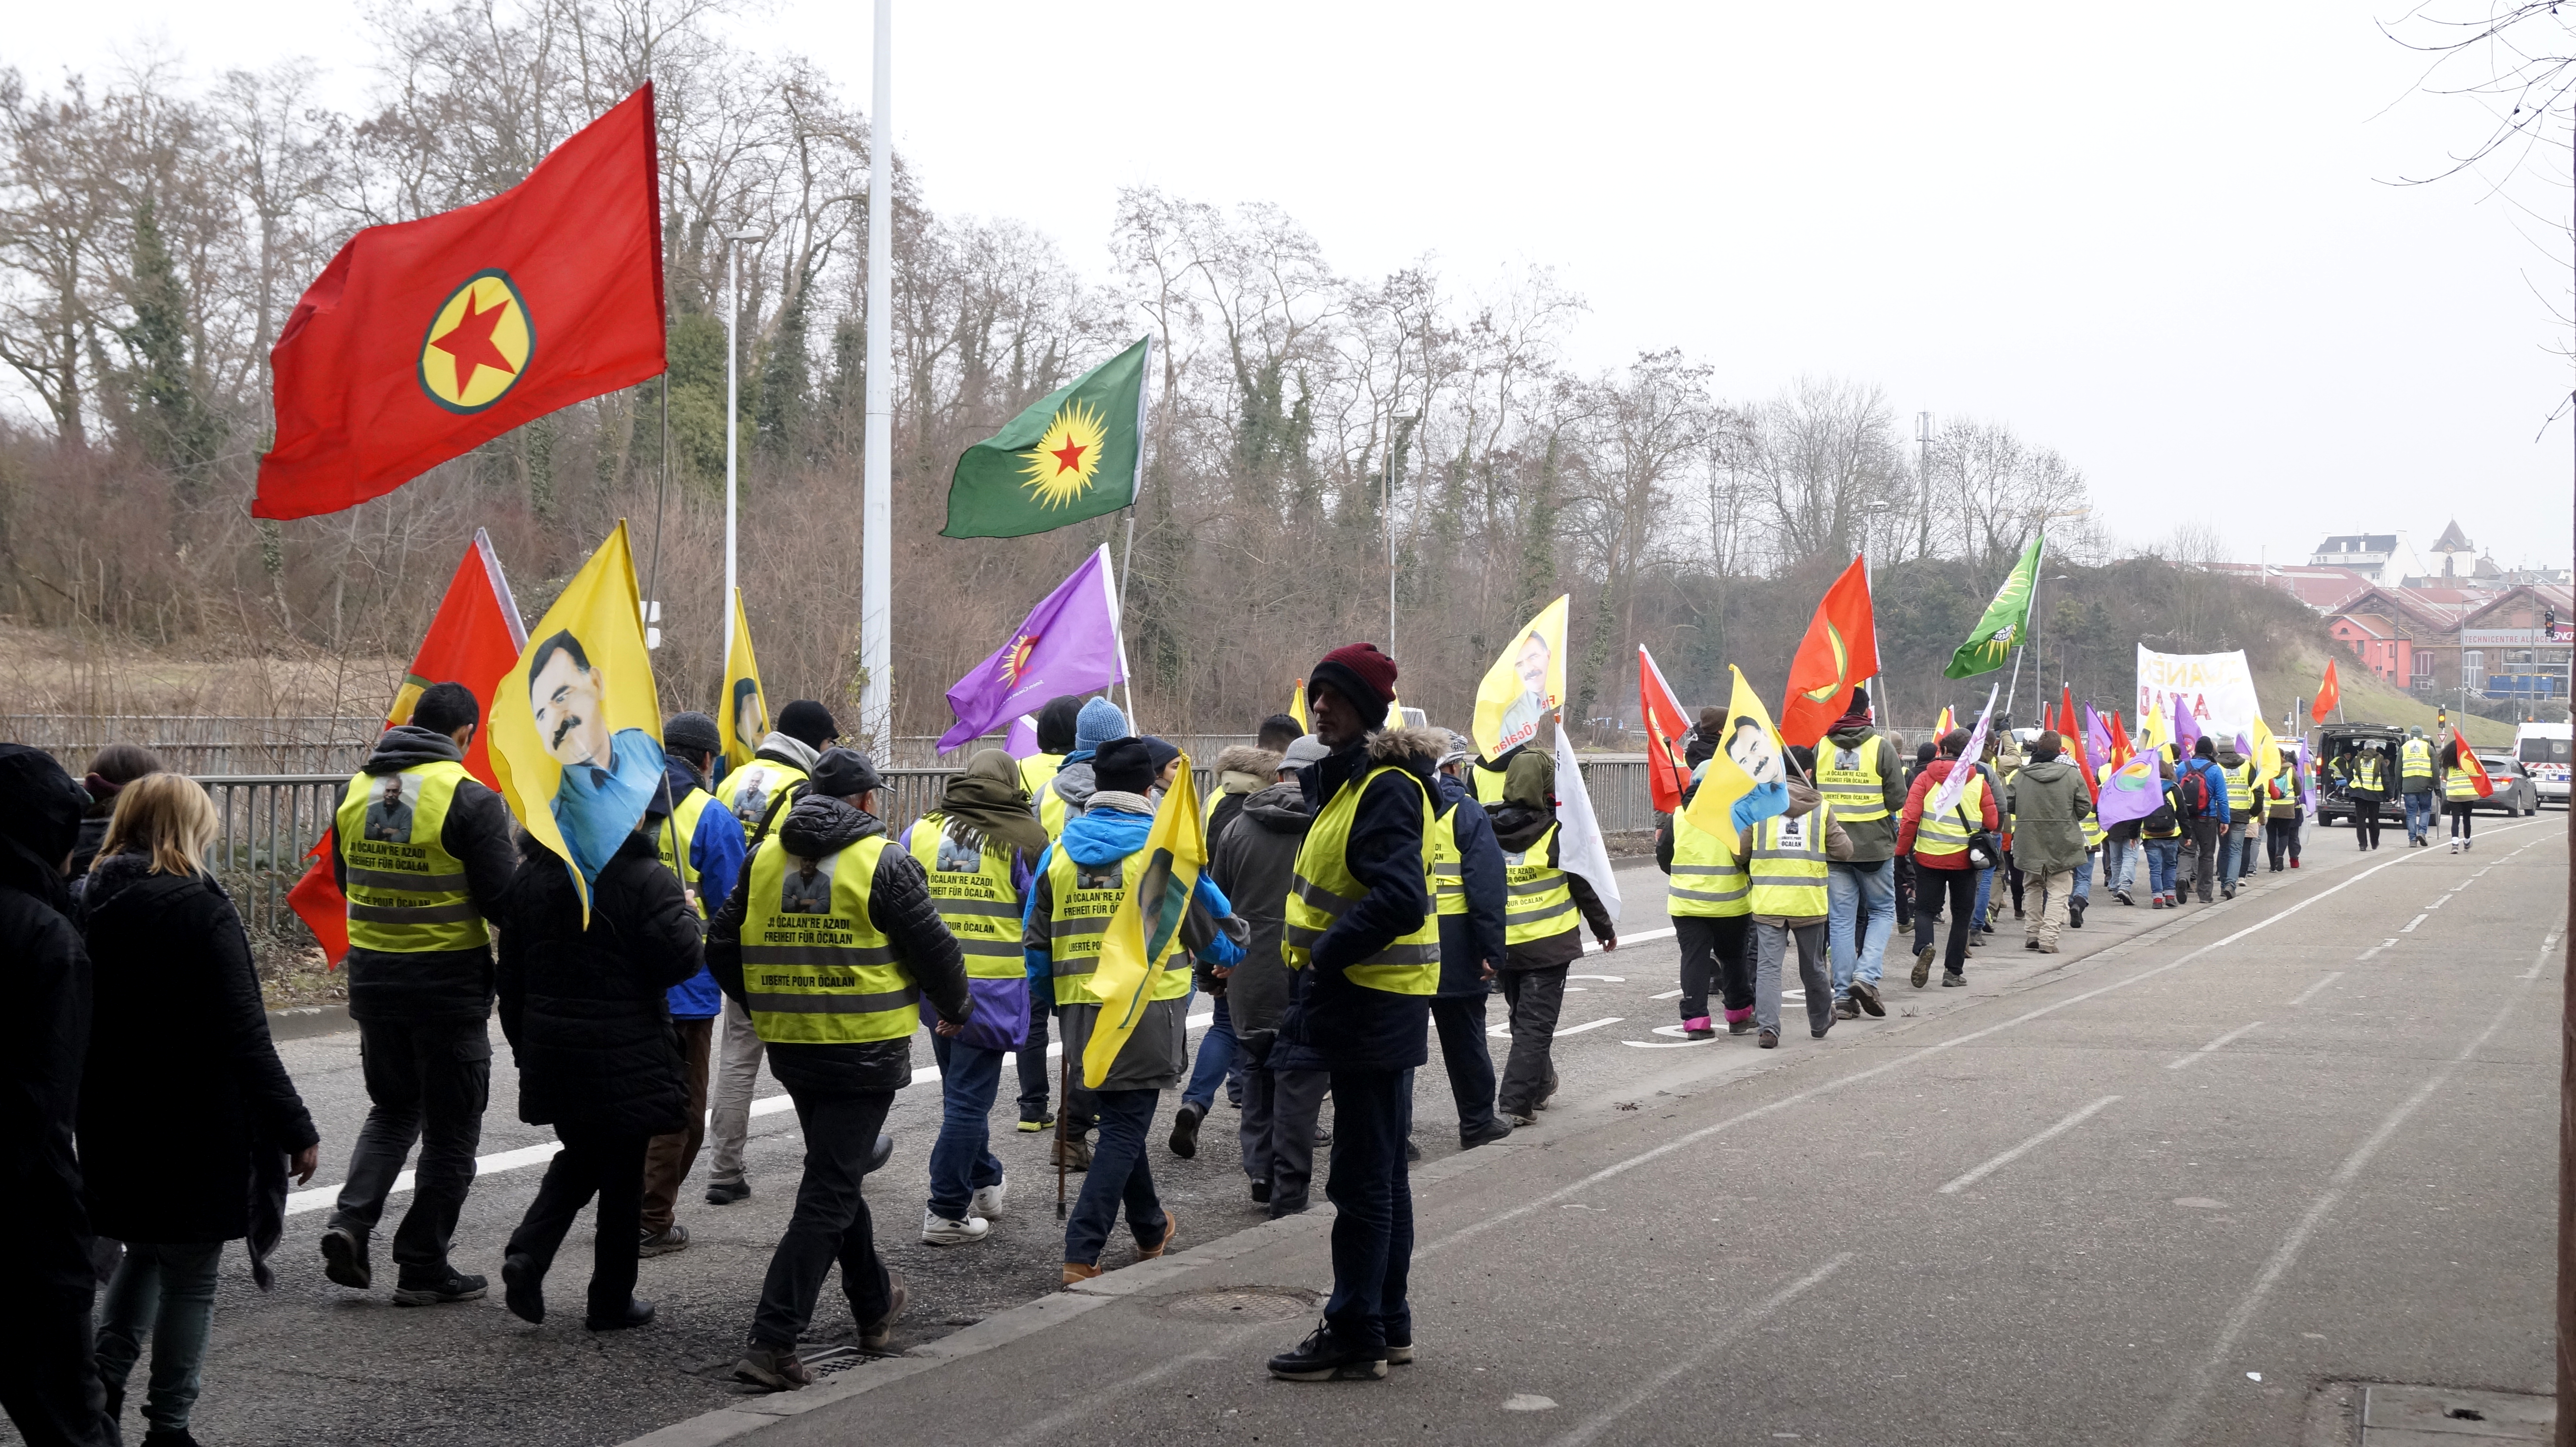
(742, 717)
(1139, 945)
(576, 722)
(1524, 686)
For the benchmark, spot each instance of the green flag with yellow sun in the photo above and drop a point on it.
(1071, 456)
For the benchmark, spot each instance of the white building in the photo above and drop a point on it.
(2386, 559)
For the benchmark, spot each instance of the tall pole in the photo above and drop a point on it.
(1386, 505)
(876, 508)
(1923, 483)
(2566, 1353)
(733, 314)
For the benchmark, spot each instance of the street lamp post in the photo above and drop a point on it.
(733, 315)
(2039, 685)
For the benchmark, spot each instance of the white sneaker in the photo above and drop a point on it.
(938, 1230)
(2455, 846)
(987, 1202)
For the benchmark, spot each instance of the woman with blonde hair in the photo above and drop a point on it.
(187, 1118)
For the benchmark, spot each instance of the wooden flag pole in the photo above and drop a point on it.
(1063, 1114)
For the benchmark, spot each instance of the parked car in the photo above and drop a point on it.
(2516, 792)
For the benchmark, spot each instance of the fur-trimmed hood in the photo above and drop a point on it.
(1244, 769)
(1404, 745)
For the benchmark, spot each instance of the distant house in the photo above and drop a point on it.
(2467, 640)
(2387, 559)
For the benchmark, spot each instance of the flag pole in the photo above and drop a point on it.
(1135, 497)
(876, 504)
(733, 427)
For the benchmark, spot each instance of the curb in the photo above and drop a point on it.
(304, 1021)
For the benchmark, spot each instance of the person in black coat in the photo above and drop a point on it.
(589, 1024)
(48, 1378)
(187, 1117)
(1471, 950)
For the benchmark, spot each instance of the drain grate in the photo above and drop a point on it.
(827, 1361)
(1251, 1303)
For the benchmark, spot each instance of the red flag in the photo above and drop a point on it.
(474, 639)
(2474, 766)
(423, 340)
(1840, 651)
(1666, 723)
(2329, 695)
(2121, 749)
(2071, 729)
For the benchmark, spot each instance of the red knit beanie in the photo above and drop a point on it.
(1361, 673)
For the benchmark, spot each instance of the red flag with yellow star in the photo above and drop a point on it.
(424, 340)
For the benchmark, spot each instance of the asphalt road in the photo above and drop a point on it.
(2306, 1135)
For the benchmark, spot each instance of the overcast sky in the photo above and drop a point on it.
(2163, 242)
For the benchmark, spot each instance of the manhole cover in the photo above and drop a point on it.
(1250, 1304)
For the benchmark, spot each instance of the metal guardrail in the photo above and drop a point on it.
(268, 823)
(204, 745)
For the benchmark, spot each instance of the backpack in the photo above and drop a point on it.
(2192, 791)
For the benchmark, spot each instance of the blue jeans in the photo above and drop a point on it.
(962, 1160)
(1851, 889)
(1985, 891)
(2231, 852)
(166, 1293)
(2419, 814)
(2083, 879)
(1118, 1175)
(2163, 855)
(1215, 1062)
(1373, 1224)
(2115, 863)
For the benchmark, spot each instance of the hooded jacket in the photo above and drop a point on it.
(44, 1034)
(787, 749)
(715, 851)
(1872, 840)
(1157, 1050)
(585, 1007)
(1253, 861)
(438, 985)
(1075, 784)
(1527, 810)
(1241, 772)
(2049, 805)
(898, 905)
(1345, 1026)
(1803, 799)
(1468, 940)
(185, 1107)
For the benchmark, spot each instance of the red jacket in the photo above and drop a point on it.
(1915, 798)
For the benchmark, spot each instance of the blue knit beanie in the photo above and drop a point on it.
(1098, 723)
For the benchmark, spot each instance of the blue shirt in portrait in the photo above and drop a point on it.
(597, 808)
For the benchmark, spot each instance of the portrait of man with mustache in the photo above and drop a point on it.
(608, 777)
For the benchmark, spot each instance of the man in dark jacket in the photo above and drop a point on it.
(839, 1030)
(1469, 893)
(2207, 825)
(420, 990)
(1361, 927)
(701, 842)
(1255, 862)
(1542, 941)
(587, 1016)
(48, 1378)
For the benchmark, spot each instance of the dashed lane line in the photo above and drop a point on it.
(2410, 924)
(1988, 1168)
(2215, 1045)
(1698, 1361)
(2310, 992)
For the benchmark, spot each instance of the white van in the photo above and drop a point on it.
(2544, 750)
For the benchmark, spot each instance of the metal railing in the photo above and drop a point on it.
(269, 823)
(204, 744)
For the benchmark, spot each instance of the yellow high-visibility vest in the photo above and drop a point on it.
(1538, 903)
(672, 841)
(1709, 882)
(1788, 865)
(407, 894)
(815, 969)
(1856, 790)
(1448, 865)
(2459, 787)
(2415, 763)
(979, 905)
(1948, 833)
(750, 790)
(1323, 887)
(1039, 770)
(2240, 788)
(1080, 902)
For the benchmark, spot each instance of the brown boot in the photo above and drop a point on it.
(1076, 1271)
(1171, 1228)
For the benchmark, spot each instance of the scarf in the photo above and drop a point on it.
(986, 799)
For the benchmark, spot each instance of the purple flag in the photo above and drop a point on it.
(2186, 728)
(1068, 644)
(2134, 789)
(1023, 742)
(2097, 740)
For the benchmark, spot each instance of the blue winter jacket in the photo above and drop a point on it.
(716, 852)
(2217, 786)
(1103, 837)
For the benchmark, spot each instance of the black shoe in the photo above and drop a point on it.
(440, 1291)
(168, 1437)
(1548, 1094)
(1484, 1133)
(2122, 896)
(1261, 1193)
(649, 1243)
(883, 1153)
(1185, 1129)
(1323, 1357)
(725, 1193)
(1922, 966)
(638, 1312)
(344, 1258)
(1867, 994)
(522, 1289)
(1739, 1027)
(1032, 1124)
(1846, 1009)
(1399, 1353)
(1952, 982)
(2075, 914)
(1769, 1040)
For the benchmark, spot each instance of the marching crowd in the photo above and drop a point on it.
(1368, 886)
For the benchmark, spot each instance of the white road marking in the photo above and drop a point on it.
(2178, 1419)
(2331, 976)
(1593, 947)
(2375, 949)
(2026, 1147)
(2548, 942)
(1698, 1361)
(2221, 1042)
(1667, 995)
(1579, 1029)
(2437, 904)
(2410, 924)
(320, 1197)
(1668, 1044)
(1605, 979)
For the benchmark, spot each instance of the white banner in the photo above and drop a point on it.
(2216, 687)
(1580, 849)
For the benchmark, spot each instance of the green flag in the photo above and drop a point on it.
(1069, 457)
(2007, 619)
